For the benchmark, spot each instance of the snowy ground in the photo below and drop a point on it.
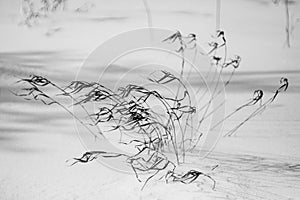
(261, 162)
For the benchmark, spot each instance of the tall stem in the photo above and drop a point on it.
(287, 26)
(218, 14)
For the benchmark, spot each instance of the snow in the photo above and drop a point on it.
(260, 162)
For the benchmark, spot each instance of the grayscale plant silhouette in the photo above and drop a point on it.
(159, 140)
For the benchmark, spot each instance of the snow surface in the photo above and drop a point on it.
(261, 162)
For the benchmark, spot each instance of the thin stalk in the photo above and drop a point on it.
(287, 27)
(88, 114)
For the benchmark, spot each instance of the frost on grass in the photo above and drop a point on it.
(32, 11)
(161, 138)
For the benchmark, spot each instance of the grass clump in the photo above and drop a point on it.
(158, 138)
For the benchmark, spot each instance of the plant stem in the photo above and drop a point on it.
(287, 27)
